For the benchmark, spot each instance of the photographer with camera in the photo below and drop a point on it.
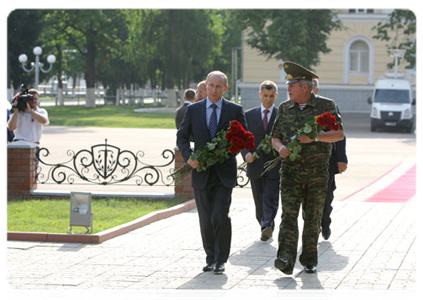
(27, 119)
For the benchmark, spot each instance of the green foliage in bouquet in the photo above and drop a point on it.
(213, 152)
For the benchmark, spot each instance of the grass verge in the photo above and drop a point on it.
(108, 116)
(52, 216)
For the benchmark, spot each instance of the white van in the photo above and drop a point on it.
(392, 105)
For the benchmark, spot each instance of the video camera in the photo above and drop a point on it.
(23, 97)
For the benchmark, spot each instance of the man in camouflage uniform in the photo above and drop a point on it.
(303, 180)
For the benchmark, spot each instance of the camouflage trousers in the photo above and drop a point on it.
(305, 186)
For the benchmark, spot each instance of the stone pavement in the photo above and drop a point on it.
(372, 248)
(371, 254)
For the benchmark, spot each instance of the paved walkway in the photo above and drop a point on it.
(370, 255)
(372, 248)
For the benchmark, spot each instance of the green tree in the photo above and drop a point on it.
(23, 29)
(88, 31)
(192, 36)
(400, 32)
(297, 35)
(230, 39)
(53, 39)
(173, 47)
(145, 31)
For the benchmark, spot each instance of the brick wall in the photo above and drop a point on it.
(21, 169)
(183, 189)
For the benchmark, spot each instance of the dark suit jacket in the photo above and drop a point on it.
(179, 114)
(255, 125)
(338, 155)
(195, 123)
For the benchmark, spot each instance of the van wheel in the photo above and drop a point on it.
(372, 128)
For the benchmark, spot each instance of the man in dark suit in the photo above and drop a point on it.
(201, 91)
(338, 163)
(189, 98)
(213, 187)
(265, 188)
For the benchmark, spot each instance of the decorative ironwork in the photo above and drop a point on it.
(106, 164)
(241, 178)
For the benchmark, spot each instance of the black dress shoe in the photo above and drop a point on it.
(208, 268)
(283, 265)
(326, 233)
(219, 268)
(310, 269)
(266, 234)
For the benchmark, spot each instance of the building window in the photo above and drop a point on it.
(359, 58)
(361, 11)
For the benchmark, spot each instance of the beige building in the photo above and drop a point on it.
(347, 73)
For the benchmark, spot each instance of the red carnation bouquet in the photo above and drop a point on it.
(324, 122)
(228, 142)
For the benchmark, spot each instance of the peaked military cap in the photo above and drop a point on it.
(295, 72)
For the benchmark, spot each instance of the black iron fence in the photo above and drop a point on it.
(106, 164)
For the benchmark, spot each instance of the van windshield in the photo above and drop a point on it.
(392, 96)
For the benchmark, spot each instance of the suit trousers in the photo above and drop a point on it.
(327, 210)
(213, 203)
(266, 198)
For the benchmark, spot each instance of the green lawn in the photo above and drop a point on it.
(52, 216)
(108, 116)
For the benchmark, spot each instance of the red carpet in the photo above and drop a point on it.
(400, 191)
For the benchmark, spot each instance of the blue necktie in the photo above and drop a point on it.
(213, 122)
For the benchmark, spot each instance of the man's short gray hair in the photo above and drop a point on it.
(315, 83)
(220, 73)
(308, 83)
(201, 83)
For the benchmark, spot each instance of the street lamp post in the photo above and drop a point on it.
(37, 66)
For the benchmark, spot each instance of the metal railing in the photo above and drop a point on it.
(106, 164)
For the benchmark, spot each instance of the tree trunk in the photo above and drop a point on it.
(59, 63)
(170, 65)
(60, 96)
(7, 86)
(90, 70)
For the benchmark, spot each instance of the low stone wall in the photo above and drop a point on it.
(22, 173)
(183, 189)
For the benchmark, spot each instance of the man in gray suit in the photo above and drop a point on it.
(212, 187)
(265, 188)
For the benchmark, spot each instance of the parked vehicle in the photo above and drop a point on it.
(392, 105)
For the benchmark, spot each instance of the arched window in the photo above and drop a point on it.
(359, 58)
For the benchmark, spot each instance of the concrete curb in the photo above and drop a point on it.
(104, 235)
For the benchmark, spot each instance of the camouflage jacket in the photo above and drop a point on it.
(290, 118)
